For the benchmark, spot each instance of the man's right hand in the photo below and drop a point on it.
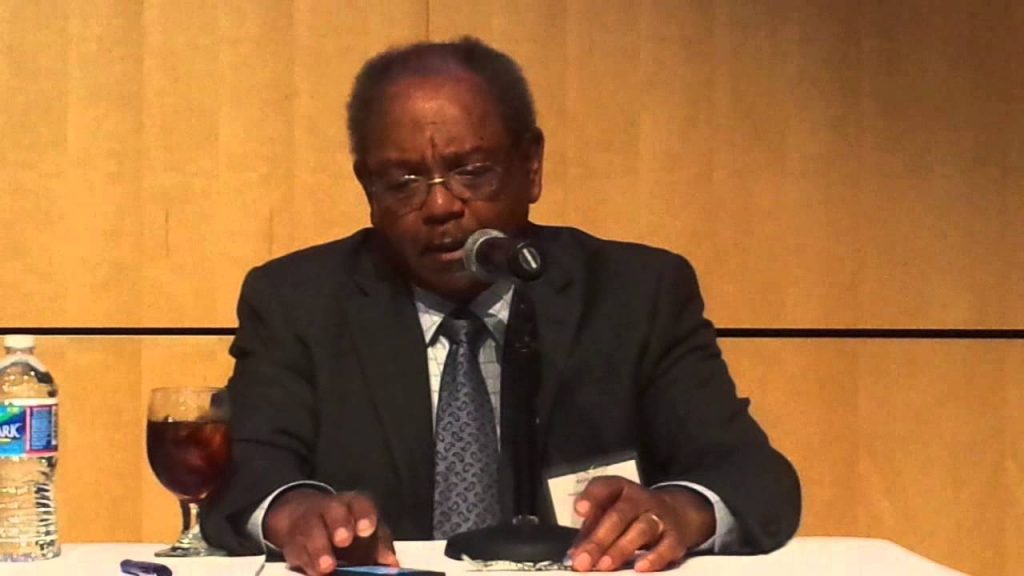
(310, 527)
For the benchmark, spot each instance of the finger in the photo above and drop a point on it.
(325, 564)
(313, 535)
(669, 549)
(386, 557)
(386, 547)
(364, 513)
(317, 541)
(645, 530)
(610, 526)
(297, 557)
(584, 532)
(337, 519)
(598, 494)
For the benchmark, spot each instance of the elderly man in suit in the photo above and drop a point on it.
(367, 367)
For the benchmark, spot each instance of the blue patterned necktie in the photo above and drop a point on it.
(465, 434)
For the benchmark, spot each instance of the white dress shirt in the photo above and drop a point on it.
(492, 306)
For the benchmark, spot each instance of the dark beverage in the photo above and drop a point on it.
(189, 458)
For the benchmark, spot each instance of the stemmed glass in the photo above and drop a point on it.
(189, 450)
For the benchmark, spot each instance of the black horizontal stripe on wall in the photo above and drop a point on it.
(122, 331)
(877, 333)
(806, 333)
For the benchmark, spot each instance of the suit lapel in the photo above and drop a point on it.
(391, 349)
(558, 300)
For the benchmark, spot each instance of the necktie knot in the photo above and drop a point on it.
(463, 328)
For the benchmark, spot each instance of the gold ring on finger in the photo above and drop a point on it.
(658, 522)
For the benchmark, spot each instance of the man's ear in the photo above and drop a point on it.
(363, 176)
(535, 163)
(359, 167)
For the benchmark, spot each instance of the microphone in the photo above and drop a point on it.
(491, 255)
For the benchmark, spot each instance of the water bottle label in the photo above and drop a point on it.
(28, 429)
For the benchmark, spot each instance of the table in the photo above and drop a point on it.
(814, 556)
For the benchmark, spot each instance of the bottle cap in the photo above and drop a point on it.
(19, 341)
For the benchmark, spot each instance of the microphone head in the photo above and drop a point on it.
(490, 255)
(471, 256)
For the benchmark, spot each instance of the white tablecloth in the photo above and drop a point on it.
(810, 556)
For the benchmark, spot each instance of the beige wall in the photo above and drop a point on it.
(824, 164)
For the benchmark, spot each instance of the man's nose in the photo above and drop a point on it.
(440, 202)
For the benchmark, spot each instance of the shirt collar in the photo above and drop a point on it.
(492, 306)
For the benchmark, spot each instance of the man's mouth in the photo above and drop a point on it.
(447, 251)
(446, 246)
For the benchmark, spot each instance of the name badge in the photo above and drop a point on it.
(567, 482)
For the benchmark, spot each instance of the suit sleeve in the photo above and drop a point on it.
(697, 429)
(273, 420)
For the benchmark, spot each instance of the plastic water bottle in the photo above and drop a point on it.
(28, 454)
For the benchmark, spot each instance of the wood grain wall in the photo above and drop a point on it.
(824, 164)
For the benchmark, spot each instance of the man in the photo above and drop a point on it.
(347, 361)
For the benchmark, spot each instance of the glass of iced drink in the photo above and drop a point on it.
(189, 450)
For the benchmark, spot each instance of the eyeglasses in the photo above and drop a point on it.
(404, 193)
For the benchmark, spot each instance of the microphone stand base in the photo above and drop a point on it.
(513, 542)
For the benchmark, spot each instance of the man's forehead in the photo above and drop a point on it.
(448, 114)
(439, 90)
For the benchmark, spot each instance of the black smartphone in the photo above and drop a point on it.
(383, 571)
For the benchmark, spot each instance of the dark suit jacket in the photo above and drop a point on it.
(330, 383)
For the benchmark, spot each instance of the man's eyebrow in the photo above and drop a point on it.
(397, 163)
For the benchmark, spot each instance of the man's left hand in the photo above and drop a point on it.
(621, 517)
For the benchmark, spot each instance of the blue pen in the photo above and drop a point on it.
(141, 568)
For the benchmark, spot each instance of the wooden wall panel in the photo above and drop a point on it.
(102, 436)
(214, 78)
(92, 234)
(1014, 439)
(913, 441)
(823, 164)
(151, 153)
(807, 404)
(33, 149)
